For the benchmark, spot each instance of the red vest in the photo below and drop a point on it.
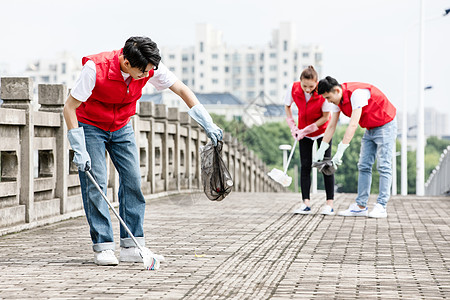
(308, 112)
(112, 103)
(376, 113)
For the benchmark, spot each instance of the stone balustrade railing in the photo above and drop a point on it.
(39, 183)
(438, 183)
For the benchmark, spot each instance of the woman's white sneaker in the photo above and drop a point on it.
(378, 211)
(303, 210)
(327, 210)
(354, 211)
(105, 258)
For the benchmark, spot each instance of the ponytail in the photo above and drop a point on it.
(309, 73)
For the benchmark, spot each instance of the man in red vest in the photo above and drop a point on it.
(367, 106)
(97, 113)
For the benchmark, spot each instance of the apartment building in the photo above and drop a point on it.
(64, 68)
(210, 66)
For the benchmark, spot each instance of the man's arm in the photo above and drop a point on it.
(352, 126)
(75, 135)
(69, 112)
(349, 133)
(197, 111)
(331, 128)
(185, 93)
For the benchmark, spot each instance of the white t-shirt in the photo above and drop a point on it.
(82, 90)
(326, 106)
(359, 98)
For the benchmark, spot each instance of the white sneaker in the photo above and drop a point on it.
(327, 210)
(378, 211)
(354, 211)
(303, 210)
(105, 258)
(132, 254)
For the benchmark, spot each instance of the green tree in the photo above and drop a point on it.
(264, 140)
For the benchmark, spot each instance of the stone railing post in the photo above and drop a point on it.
(174, 117)
(161, 116)
(52, 98)
(146, 110)
(251, 167)
(17, 93)
(236, 168)
(185, 120)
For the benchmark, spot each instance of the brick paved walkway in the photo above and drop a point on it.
(249, 246)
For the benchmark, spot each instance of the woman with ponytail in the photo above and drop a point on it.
(313, 117)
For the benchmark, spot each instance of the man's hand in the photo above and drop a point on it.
(78, 143)
(202, 117)
(337, 158)
(321, 152)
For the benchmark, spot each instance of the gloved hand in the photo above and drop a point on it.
(294, 129)
(307, 130)
(202, 117)
(78, 143)
(321, 152)
(337, 158)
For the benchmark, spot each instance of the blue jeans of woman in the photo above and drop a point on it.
(376, 143)
(121, 146)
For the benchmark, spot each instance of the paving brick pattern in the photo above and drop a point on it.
(249, 246)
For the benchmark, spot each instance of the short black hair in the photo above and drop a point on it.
(141, 51)
(326, 85)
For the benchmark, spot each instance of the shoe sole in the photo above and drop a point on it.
(345, 215)
(328, 214)
(378, 217)
(107, 263)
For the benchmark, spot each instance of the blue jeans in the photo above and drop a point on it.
(121, 146)
(377, 142)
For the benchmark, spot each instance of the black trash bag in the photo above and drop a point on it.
(217, 181)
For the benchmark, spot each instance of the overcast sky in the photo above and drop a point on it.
(363, 40)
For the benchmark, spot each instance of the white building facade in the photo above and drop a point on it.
(246, 72)
(64, 68)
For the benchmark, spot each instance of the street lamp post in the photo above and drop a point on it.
(420, 152)
(420, 112)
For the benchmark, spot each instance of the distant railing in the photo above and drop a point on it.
(439, 181)
(39, 182)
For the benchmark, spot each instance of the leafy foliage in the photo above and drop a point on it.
(264, 140)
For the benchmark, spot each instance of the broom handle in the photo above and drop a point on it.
(290, 156)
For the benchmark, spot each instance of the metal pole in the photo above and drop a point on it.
(420, 157)
(404, 158)
(394, 169)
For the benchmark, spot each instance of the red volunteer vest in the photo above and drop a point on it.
(308, 112)
(112, 102)
(376, 113)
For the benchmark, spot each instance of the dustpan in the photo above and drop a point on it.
(280, 176)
